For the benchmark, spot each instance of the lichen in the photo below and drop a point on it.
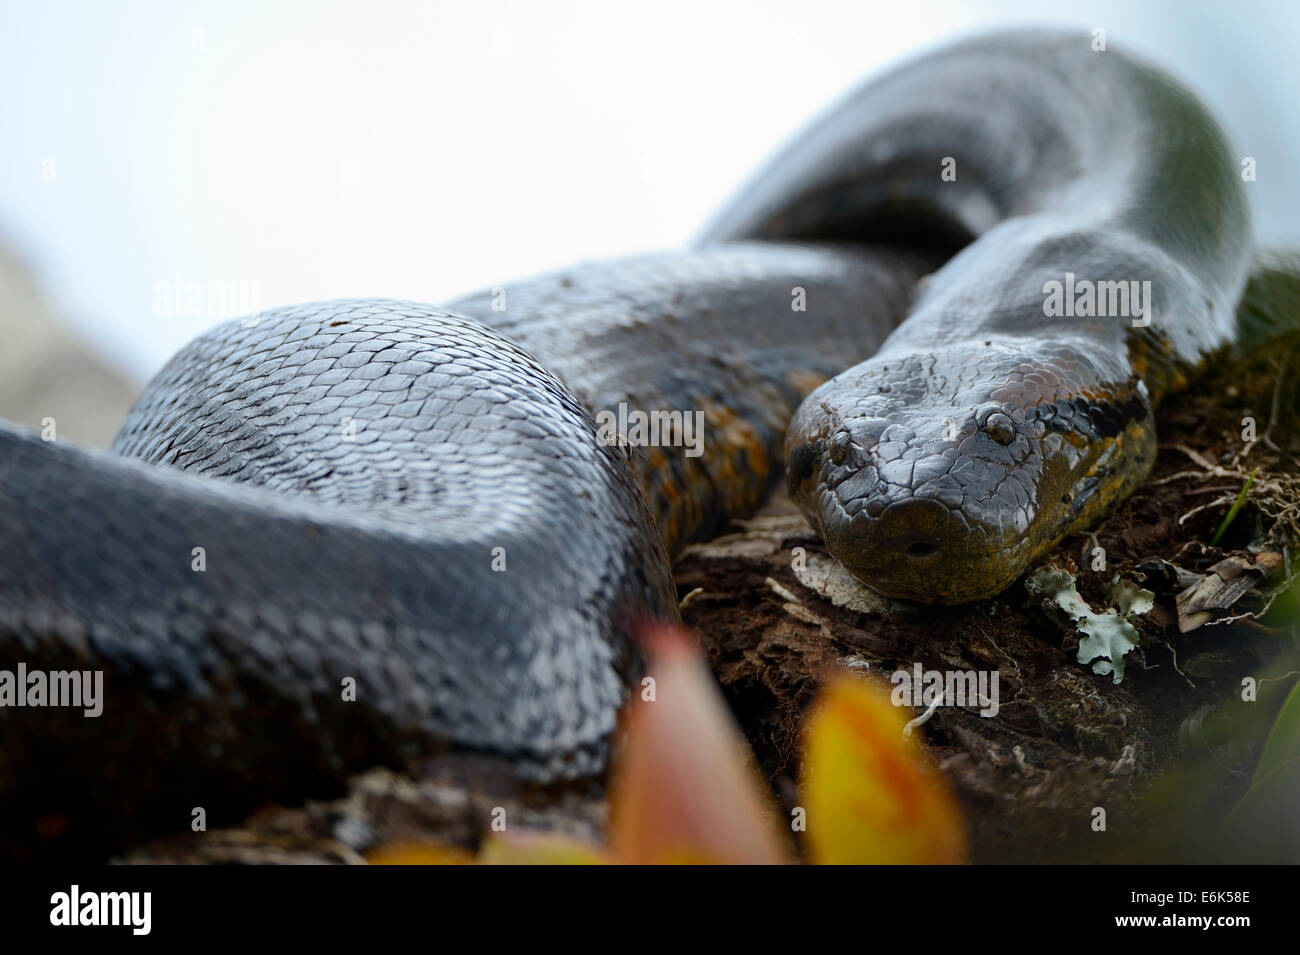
(1104, 637)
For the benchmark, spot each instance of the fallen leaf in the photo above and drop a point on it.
(1222, 586)
(540, 848)
(873, 797)
(418, 853)
(685, 788)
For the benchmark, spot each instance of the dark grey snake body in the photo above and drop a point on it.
(391, 494)
(400, 498)
(985, 428)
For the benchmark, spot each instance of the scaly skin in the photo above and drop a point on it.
(984, 430)
(350, 469)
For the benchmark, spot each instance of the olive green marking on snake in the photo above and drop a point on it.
(715, 335)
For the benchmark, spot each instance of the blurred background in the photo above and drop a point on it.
(164, 167)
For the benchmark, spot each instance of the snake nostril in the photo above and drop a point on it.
(921, 549)
(838, 447)
(1000, 428)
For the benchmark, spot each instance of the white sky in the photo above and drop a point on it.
(420, 150)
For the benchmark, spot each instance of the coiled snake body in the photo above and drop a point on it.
(415, 501)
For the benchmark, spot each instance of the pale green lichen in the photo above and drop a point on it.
(1104, 637)
(1129, 600)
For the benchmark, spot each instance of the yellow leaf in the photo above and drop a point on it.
(684, 787)
(418, 853)
(871, 796)
(539, 848)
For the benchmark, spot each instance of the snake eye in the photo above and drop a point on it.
(1000, 427)
(837, 449)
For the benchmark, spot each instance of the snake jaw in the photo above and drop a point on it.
(935, 488)
(969, 522)
(939, 478)
(890, 491)
(917, 547)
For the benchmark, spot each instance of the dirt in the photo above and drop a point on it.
(1065, 742)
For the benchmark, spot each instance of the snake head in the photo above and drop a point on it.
(940, 477)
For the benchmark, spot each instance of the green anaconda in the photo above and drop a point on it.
(357, 532)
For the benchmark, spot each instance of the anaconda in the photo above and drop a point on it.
(357, 532)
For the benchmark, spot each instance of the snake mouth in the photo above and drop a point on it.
(919, 549)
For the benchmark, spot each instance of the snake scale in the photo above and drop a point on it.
(417, 502)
